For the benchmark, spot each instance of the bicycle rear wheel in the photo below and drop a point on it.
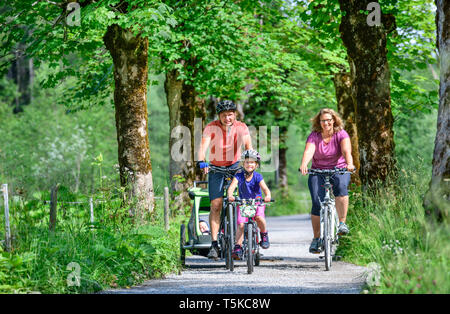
(327, 238)
(250, 255)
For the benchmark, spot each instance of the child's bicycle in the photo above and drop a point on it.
(250, 245)
(329, 220)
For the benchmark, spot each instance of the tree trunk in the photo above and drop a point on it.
(130, 57)
(346, 108)
(22, 73)
(282, 166)
(367, 53)
(437, 199)
(282, 171)
(184, 106)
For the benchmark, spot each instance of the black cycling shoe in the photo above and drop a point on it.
(213, 252)
(316, 246)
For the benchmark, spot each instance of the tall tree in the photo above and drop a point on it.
(408, 47)
(211, 47)
(437, 199)
(125, 29)
(130, 57)
(346, 108)
(367, 54)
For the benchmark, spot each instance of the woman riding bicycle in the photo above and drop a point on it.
(250, 184)
(329, 147)
(225, 136)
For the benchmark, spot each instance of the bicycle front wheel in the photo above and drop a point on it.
(230, 236)
(250, 248)
(327, 238)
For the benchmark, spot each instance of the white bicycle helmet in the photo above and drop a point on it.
(250, 153)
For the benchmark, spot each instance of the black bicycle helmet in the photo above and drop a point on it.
(225, 105)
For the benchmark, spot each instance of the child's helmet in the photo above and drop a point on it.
(250, 153)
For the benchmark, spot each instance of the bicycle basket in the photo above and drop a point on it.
(248, 210)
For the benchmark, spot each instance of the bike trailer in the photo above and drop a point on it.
(197, 242)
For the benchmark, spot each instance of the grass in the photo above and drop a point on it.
(390, 229)
(296, 201)
(113, 254)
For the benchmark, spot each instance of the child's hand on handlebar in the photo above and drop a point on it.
(267, 199)
(231, 198)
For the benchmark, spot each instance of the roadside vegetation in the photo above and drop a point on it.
(407, 251)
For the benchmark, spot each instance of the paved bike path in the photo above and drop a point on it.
(286, 267)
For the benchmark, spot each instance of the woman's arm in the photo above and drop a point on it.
(346, 148)
(231, 189)
(265, 189)
(308, 154)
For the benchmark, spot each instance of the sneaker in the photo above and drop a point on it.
(237, 252)
(213, 252)
(315, 246)
(264, 240)
(342, 229)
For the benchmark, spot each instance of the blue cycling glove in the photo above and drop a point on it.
(202, 164)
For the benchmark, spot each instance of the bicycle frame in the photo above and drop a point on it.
(227, 221)
(328, 216)
(328, 204)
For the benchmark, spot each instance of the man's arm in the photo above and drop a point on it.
(203, 147)
(202, 151)
(248, 142)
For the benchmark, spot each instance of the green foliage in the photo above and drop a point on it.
(45, 144)
(410, 48)
(110, 255)
(411, 250)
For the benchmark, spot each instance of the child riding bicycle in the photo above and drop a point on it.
(249, 183)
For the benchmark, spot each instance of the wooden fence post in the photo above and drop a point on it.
(53, 207)
(7, 226)
(166, 208)
(91, 206)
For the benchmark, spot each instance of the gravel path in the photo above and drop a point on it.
(286, 268)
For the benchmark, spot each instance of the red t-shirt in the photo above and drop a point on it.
(225, 145)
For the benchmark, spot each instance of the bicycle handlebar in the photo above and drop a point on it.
(261, 201)
(330, 171)
(222, 170)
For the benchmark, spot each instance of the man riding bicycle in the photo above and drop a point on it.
(225, 137)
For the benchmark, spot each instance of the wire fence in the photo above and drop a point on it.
(53, 202)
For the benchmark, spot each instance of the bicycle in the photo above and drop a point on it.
(227, 222)
(250, 244)
(329, 220)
